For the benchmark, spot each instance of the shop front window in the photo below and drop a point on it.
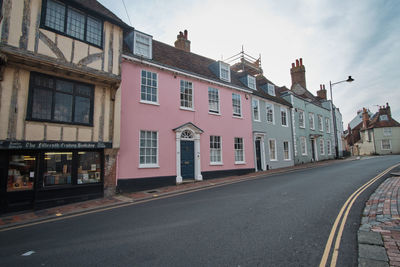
(57, 168)
(89, 168)
(21, 173)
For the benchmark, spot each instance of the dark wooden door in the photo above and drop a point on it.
(187, 159)
(258, 155)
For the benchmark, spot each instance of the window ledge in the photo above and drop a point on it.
(216, 163)
(240, 162)
(285, 126)
(154, 166)
(149, 102)
(237, 116)
(273, 160)
(287, 159)
(187, 109)
(216, 114)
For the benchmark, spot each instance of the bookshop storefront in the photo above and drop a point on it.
(43, 174)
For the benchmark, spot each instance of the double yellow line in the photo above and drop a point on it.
(342, 220)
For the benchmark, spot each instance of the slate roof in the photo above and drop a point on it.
(376, 122)
(102, 11)
(262, 80)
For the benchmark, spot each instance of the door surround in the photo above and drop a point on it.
(260, 137)
(188, 132)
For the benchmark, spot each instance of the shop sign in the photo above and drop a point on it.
(53, 145)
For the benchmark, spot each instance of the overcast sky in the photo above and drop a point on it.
(335, 39)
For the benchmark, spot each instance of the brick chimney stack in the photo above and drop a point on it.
(365, 118)
(389, 113)
(298, 73)
(321, 93)
(182, 41)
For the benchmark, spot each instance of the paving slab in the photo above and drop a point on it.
(372, 263)
(372, 252)
(370, 238)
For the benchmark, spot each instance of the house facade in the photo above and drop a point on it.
(59, 101)
(379, 134)
(184, 117)
(313, 136)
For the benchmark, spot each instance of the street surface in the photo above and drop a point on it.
(280, 220)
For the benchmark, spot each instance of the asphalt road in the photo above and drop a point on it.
(280, 220)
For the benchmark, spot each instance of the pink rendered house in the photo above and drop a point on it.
(183, 116)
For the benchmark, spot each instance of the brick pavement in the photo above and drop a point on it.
(381, 215)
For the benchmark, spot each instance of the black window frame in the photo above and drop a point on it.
(64, 33)
(74, 169)
(74, 94)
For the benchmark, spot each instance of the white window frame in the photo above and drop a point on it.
(239, 150)
(311, 118)
(328, 125)
(329, 147)
(220, 150)
(390, 144)
(284, 111)
(288, 151)
(180, 94)
(269, 150)
(258, 109)
(149, 165)
(321, 146)
(156, 87)
(303, 123)
(226, 67)
(149, 44)
(271, 89)
(236, 115)
(251, 82)
(383, 117)
(320, 123)
(211, 111)
(303, 140)
(267, 105)
(387, 131)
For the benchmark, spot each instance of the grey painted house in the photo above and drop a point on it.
(272, 128)
(313, 137)
(271, 119)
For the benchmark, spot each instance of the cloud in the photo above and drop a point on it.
(334, 38)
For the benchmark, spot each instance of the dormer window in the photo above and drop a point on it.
(271, 89)
(383, 118)
(251, 82)
(224, 71)
(142, 45)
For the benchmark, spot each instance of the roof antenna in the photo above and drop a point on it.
(127, 14)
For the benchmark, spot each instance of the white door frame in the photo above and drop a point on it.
(190, 133)
(261, 137)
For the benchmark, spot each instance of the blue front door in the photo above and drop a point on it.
(187, 159)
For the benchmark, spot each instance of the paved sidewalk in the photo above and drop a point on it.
(379, 233)
(33, 216)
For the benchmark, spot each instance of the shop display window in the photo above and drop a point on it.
(57, 168)
(21, 173)
(89, 167)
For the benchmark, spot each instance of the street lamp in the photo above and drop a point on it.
(349, 80)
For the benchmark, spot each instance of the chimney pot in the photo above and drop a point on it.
(301, 62)
(182, 42)
(292, 65)
(297, 62)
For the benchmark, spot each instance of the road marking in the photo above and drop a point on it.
(212, 185)
(28, 253)
(346, 209)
